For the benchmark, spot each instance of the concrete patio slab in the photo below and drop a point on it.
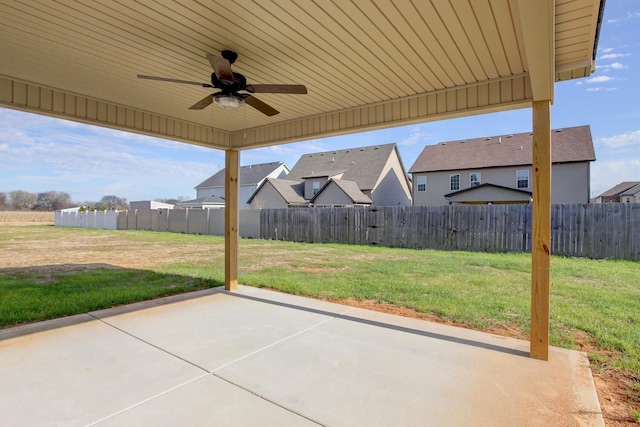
(80, 373)
(257, 357)
(218, 329)
(208, 401)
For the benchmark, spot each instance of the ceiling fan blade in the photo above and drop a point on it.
(203, 103)
(295, 89)
(261, 106)
(165, 79)
(221, 67)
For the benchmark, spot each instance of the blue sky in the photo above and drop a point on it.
(39, 153)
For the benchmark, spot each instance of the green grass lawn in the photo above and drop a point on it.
(484, 291)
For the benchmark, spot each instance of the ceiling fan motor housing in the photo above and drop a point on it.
(229, 55)
(239, 83)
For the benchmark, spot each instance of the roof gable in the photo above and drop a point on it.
(247, 175)
(619, 189)
(362, 165)
(349, 188)
(632, 191)
(291, 191)
(568, 145)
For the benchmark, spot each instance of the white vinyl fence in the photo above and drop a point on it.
(188, 221)
(107, 220)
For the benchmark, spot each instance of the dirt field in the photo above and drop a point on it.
(25, 218)
(613, 387)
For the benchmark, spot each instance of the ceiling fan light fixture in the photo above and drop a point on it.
(228, 101)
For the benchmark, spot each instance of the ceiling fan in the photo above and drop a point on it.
(230, 84)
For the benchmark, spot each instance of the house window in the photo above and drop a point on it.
(316, 187)
(522, 179)
(474, 179)
(454, 181)
(252, 189)
(422, 183)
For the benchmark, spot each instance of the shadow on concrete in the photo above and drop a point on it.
(457, 340)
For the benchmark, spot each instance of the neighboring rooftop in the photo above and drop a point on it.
(291, 191)
(204, 200)
(349, 188)
(362, 165)
(619, 189)
(572, 144)
(250, 174)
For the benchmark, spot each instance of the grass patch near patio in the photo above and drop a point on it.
(597, 301)
(35, 296)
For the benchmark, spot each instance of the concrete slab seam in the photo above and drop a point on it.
(259, 396)
(147, 400)
(150, 344)
(277, 342)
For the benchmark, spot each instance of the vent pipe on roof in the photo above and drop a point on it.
(499, 140)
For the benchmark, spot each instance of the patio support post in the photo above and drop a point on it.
(231, 188)
(541, 239)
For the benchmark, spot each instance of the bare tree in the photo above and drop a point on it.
(111, 202)
(173, 200)
(52, 201)
(3, 201)
(22, 200)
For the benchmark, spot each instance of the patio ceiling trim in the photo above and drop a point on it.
(34, 98)
(500, 94)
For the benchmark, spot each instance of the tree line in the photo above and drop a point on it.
(49, 201)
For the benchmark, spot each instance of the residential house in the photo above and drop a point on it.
(149, 204)
(497, 169)
(278, 194)
(625, 192)
(250, 177)
(210, 202)
(360, 176)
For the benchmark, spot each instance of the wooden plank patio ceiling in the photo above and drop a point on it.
(367, 64)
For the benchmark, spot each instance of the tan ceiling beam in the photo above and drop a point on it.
(502, 94)
(570, 66)
(537, 20)
(63, 105)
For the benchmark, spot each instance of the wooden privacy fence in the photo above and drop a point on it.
(589, 230)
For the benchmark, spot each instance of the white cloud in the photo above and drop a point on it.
(626, 139)
(614, 55)
(599, 79)
(628, 16)
(606, 50)
(618, 66)
(417, 136)
(606, 174)
(600, 88)
(85, 161)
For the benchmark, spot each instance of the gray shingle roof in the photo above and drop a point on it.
(349, 188)
(363, 165)
(291, 191)
(209, 200)
(250, 174)
(632, 191)
(567, 145)
(619, 189)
